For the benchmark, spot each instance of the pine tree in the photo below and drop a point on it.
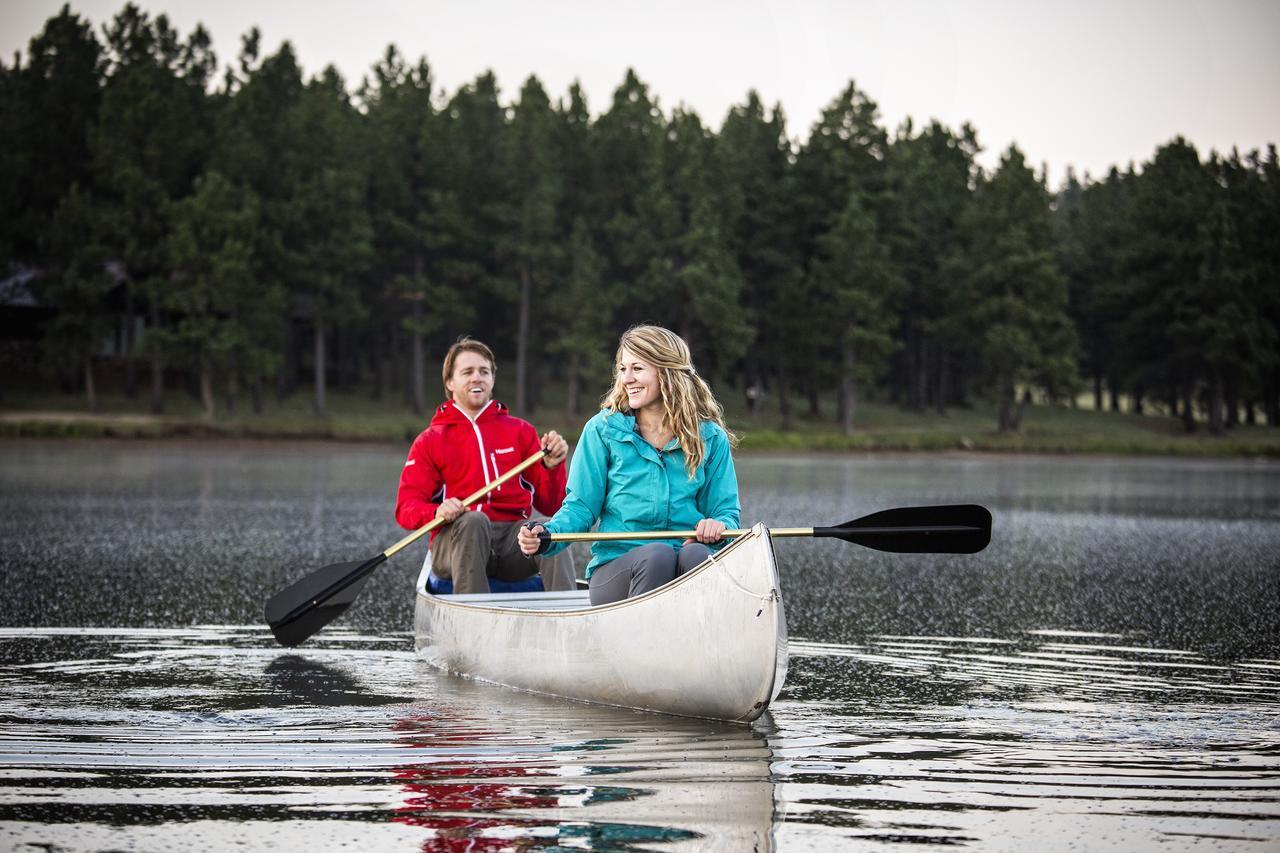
(1171, 198)
(860, 286)
(929, 177)
(149, 145)
(1094, 225)
(580, 308)
(327, 235)
(1243, 248)
(694, 284)
(220, 311)
(629, 140)
(1017, 316)
(532, 247)
(844, 154)
(251, 144)
(577, 156)
(480, 211)
(48, 109)
(77, 287)
(1219, 319)
(754, 174)
(405, 176)
(1266, 224)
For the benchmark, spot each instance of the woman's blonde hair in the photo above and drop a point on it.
(686, 398)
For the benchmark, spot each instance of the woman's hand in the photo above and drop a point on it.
(450, 510)
(709, 530)
(528, 538)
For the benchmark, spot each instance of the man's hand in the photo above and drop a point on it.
(450, 510)
(557, 448)
(528, 538)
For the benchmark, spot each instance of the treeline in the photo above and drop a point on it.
(254, 230)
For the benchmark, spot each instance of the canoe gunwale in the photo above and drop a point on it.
(705, 566)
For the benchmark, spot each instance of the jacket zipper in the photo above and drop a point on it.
(480, 441)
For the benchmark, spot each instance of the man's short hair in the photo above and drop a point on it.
(466, 344)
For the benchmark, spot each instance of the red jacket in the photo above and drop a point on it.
(455, 458)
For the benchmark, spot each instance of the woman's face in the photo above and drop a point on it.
(639, 379)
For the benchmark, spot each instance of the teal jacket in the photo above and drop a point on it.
(618, 479)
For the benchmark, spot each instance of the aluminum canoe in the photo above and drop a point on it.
(712, 643)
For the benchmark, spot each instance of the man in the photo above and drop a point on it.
(472, 441)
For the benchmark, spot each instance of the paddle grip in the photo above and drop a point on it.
(544, 538)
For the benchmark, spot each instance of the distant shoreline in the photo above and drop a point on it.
(938, 438)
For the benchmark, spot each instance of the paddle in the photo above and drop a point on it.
(954, 529)
(298, 611)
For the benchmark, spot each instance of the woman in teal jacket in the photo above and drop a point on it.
(656, 457)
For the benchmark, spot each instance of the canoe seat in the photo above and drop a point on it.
(444, 586)
(429, 581)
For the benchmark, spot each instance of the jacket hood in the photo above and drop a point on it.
(617, 422)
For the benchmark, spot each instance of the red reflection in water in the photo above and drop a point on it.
(459, 834)
(434, 803)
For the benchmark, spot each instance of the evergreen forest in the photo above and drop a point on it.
(250, 233)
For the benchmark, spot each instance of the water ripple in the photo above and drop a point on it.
(108, 733)
(108, 736)
(1062, 735)
(1080, 670)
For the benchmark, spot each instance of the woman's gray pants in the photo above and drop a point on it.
(643, 569)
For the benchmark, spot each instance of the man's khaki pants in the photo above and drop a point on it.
(472, 548)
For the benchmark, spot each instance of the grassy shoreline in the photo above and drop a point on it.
(880, 427)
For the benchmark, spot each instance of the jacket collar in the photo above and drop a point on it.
(622, 427)
(449, 412)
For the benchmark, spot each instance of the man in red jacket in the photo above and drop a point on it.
(472, 441)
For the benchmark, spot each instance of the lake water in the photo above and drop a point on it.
(1106, 675)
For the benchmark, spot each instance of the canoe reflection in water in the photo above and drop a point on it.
(503, 770)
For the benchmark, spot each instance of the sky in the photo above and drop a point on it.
(1082, 84)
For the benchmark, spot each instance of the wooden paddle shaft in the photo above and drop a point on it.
(668, 534)
(436, 522)
(843, 533)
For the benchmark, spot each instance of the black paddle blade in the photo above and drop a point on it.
(954, 529)
(299, 610)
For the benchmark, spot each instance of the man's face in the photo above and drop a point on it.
(471, 382)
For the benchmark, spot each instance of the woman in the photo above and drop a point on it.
(656, 457)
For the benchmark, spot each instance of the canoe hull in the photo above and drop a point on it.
(710, 644)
